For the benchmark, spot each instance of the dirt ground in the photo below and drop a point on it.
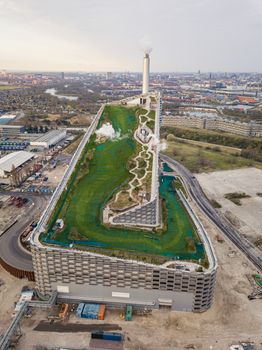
(81, 120)
(54, 178)
(54, 175)
(10, 288)
(247, 217)
(9, 213)
(53, 117)
(75, 120)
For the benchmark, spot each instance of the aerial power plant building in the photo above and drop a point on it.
(146, 69)
(148, 274)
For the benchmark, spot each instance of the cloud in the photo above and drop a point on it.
(109, 35)
(9, 7)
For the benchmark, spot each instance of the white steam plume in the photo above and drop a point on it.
(108, 131)
(146, 45)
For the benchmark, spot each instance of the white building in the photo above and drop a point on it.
(49, 139)
(13, 161)
(9, 116)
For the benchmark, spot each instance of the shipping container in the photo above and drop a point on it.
(129, 313)
(80, 309)
(112, 336)
(64, 311)
(107, 336)
(90, 311)
(97, 335)
(101, 312)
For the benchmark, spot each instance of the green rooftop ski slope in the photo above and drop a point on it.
(101, 172)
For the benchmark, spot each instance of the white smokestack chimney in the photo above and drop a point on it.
(146, 74)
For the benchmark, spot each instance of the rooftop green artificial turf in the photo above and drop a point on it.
(106, 173)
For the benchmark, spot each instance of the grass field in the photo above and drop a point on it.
(211, 136)
(197, 159)
(8, 87)
(99, 178)
(251, 147)
(206, 145)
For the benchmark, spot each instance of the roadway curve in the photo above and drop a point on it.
(12, 253)
(219, 220)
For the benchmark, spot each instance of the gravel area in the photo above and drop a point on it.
(248, 216)
(10, 288)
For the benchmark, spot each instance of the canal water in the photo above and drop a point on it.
(53, 91)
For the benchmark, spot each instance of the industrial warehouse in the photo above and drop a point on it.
(16, 166)
(14, 161)
(49, 139)
(11, 130)
(23, 154)
(152, 274)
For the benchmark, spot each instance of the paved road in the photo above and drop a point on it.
(11, 250)
(197, 194)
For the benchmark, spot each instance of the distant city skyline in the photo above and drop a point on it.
(111, 35)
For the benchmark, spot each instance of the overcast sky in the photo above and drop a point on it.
(110, 35)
